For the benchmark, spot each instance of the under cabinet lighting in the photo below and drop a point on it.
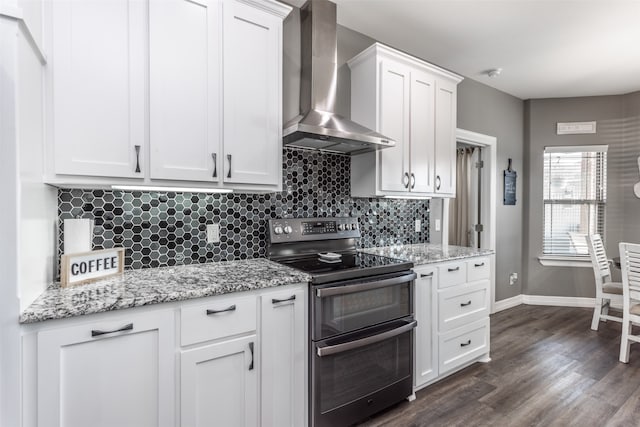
(170, 189)
(407, 197)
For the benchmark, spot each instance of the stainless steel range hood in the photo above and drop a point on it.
(318, 127)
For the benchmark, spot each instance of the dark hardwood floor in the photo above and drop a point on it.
(548, 368)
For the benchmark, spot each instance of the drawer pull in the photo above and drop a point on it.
(451, 270)
(251, 350)
(276, 301)
(231, 308)
(464, 344)
(96, 332)
(479, 265)
(426, 275)
(464, 304)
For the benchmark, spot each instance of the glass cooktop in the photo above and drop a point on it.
(351, 265)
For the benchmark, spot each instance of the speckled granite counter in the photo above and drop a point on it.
(427, 253)
(136, 288)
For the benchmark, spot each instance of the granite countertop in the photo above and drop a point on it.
(427, 253)
(135, 288)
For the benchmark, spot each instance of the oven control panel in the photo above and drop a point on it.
(308, 229)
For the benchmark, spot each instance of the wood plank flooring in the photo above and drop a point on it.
(548, 368)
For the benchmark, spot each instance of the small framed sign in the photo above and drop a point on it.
(85, 267)
(510, 177)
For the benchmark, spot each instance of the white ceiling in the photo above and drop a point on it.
(546, 48)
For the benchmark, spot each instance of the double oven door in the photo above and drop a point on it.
(361, 347)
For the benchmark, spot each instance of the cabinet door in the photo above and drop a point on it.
(99, 95)
(184, 93)
(394, 108)
(252, 95)
(422, 132)
(283, 358)
(116, 372)
(445, 138)
(219, 384)
(426, 343)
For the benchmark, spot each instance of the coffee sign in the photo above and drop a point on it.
(76, 269)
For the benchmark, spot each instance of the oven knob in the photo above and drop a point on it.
(341, 227)
(288, 229)
(277, 229)
(354, 226)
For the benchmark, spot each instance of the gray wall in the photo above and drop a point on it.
(541, 118)
(486, 110)
(629, 174)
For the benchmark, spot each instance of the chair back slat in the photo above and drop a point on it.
(630, 264)
(599, 259)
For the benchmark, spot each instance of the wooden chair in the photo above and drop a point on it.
(630, 263)
(606, 290)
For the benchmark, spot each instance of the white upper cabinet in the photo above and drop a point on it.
(203, 76)
(97, 88)
(252, 93)
(414, 103)
(184, 82)
(446, 138)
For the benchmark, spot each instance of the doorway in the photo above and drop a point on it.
(486, 188)
(465, 214)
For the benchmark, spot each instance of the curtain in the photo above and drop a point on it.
(459, 226)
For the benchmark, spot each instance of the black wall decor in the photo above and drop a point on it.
(166, 228)
(510, 177)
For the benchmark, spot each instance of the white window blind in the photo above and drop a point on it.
(575, 193)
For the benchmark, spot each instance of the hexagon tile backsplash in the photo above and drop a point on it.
(166, 228)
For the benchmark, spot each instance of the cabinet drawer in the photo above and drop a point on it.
(462, 304)
(463, 345)
(478, 269)
(452, 274)
(218, 318)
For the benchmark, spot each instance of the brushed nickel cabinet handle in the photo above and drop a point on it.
(97, 332)
(230, 308)
(276, 301)
(405, 180)
(478, 265)
(137, 147)
(215, 165)
(438, 182)
(451, 270)
(464, 304)
(464, 344)
(229, 159)
(251, 350)
(426, 274)
(413, 180)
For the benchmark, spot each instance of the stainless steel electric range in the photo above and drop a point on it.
(361, 318)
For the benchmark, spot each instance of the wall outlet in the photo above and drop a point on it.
(418, 226)
(513, 278)
(213, 233)
(438, 227)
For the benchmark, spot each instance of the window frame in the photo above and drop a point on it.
(571, 260)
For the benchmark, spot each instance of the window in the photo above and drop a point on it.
(575, 193)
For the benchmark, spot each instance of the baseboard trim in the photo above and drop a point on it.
(544, 300)
(504, 304)
(559, 301)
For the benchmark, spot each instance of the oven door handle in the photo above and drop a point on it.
(352, 345)
(349, 289)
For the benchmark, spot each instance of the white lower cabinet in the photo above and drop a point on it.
(452, 308)
(283, 358)
(232, 360)
(115, 372)
(219, 384)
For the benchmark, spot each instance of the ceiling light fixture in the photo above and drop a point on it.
(170, 189)
(495, 72)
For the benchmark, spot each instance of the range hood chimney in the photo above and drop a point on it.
(318, 127)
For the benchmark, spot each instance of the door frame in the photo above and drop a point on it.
(489, 145)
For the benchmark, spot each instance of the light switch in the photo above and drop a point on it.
(418, 226)
(438, 227)
(213, 233)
